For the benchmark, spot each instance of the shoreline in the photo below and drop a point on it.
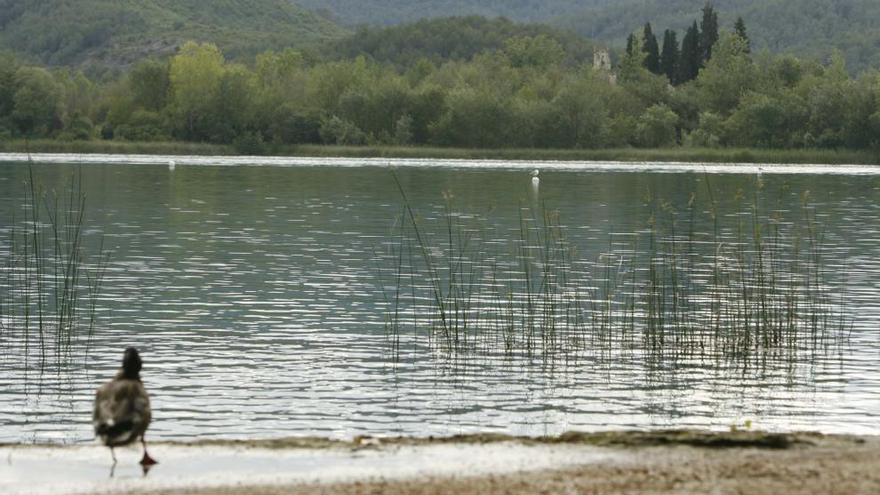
(626, 155)
(182, 161)
(633, 462)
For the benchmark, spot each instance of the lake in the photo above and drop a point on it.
(257, 292)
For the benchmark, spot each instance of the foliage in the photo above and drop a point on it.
(117, 32)
(651, 49)
(462, 38)
(656, 127)
(808, 28)
(385, 12)
(728, 76)
(524, 92)
(669, 56)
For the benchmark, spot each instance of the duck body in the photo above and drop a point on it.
(122, 411)
(122, 408)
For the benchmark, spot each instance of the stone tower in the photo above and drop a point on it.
(601, 59)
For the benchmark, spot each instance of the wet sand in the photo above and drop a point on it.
(621, 462)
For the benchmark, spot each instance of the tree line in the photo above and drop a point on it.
(526, 93)
(681, 64)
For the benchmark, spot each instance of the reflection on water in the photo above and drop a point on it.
(254, 296)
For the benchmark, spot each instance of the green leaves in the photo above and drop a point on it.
(35, 102)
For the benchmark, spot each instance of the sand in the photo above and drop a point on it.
(681, 462)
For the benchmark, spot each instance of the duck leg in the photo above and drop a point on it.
(146, 461)
(112, 466)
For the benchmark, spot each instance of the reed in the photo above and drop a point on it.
(51, 283)
(752, 289)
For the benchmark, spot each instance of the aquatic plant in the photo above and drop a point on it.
(752, 288)
(49, 280)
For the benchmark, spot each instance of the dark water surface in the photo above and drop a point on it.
(252, 293)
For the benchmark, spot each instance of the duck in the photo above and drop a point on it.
(122, 409)
(535, 179)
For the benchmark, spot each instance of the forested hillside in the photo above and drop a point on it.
(383, 12)
(119, 32)
(812, 28)
(524, 95)
(453, 38)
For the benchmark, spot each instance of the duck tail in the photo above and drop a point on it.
(111, 429)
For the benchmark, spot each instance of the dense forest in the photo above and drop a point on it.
(385, 12)
(448, 39)
(112, 33)
(806, 28)
(526, 91)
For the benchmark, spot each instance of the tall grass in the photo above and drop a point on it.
(752, 288)
(50, 281)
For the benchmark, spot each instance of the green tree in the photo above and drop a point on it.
(342, 132)
(473, 119)
(8, 86)
(230, 113)
(828, 98)
(427, 104)
(196, 74)
(669, 56)
(150, 84)
(651, 49)
(580, 112)
(327, 82)
(739, 27)
(643, 88)
(534, 51)
(760, 120)
(36, 103)
(708, 32)
(377, 105)
(142, 125)
(657, 127)
(728, 76)
(690, 58)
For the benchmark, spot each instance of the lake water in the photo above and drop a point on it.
(254, 296)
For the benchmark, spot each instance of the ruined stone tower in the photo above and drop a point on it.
(601, 59)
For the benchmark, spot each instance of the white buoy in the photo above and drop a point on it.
(171, 164)
(536, 182)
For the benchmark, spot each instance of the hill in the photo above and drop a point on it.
(451, 38)
(811, 28)
(385, 12)
(119, 32)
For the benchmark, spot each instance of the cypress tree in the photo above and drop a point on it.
(630, 41)
(708, 32)
(740, 29)
(690, 58)
(652, 50)
(669, 56)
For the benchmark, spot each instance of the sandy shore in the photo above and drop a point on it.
(622, 462)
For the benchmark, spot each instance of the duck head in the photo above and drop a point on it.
(131, 364)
